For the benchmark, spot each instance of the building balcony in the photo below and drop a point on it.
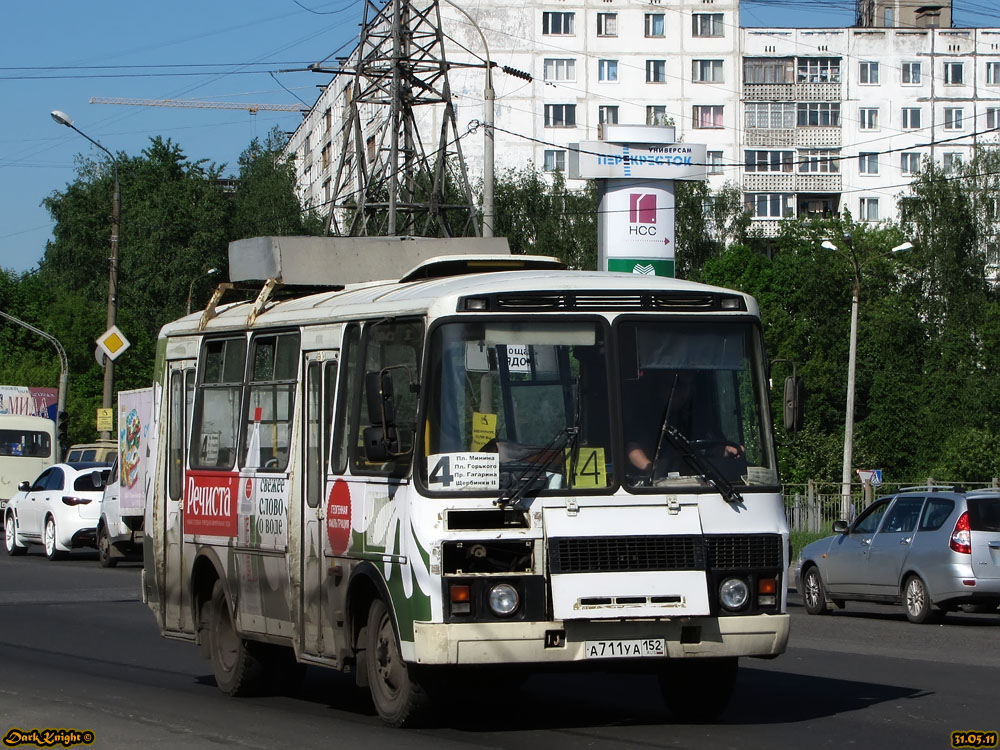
(818, 183)
(817, 92)
(768, 137)
(792, 92)
(818, 137)
(768, 182)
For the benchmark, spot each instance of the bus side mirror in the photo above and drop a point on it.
(381, 401)
(793, 403)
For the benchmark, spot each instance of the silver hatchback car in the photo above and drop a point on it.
(932, 549)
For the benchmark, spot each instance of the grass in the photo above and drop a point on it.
(800, 539)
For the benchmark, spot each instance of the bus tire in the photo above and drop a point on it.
(399, 697)
(238, 672)
(14, 548)
(104, 552)
(698, 690)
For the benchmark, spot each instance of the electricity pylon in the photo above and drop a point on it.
(388, 180)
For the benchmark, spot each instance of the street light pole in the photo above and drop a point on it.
(209, 272)
(489, 115)
(63, 371)
(109, 365)
(852, 358)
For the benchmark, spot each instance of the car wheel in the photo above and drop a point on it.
(813, 592)
(10, 537)
(917, 602)
(237, 670)
(399, 697)
(698, 690)
(52, 550)
(104, 551)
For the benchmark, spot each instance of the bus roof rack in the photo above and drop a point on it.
(334, 262)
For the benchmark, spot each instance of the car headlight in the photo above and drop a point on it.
(734, 593)
(504, 600)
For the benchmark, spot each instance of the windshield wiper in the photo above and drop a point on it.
(540, 460)
(707, 470)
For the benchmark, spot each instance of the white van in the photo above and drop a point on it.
(27, 447)
(118, 537)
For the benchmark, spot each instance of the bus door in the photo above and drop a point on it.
(180, 405)
(315, 626)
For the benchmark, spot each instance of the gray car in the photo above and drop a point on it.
(932, 550)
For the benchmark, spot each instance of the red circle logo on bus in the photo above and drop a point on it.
(249, 489)
(338, 517)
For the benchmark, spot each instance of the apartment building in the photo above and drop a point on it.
(806, 121)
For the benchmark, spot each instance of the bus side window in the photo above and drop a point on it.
(217, 404)
(274, 362)
(347, 399)
(393, 348)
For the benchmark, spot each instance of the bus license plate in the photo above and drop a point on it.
(624, 649)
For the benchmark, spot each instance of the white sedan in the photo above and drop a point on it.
(59, 510)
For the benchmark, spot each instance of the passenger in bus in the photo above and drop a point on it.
(668, 396)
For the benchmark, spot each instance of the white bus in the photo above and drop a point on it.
(437, 472)
(27, 446)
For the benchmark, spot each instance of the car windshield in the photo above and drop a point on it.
(694, 405)
(512, 404)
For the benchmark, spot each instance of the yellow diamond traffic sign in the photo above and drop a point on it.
(113, 342)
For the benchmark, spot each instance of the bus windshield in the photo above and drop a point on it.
(694, 404)
(510, 403)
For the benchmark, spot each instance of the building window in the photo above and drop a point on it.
(770, 115)
(656, 71)
(706, 24)
(654, 25)
(909, 162)
(952, 118)
(954, 73)
(868, 118)
(869, 209)
(607, 70)
(951, 162)
(820, 161)
(607, 24)
(768, 161)
(768, 70)
(607, 114)
(327, 192)
(656, 114)
(911, 118)
(559, 69)
(324, 156)
(992, 118)
(818, 115)
(555, 160)
(715, 162)
(327, 120)
(558, 24)
(869, 73)
(818, 70)
(560, 115)
(993, 73)
(706, 71)
(707, 116)
(911, 73)
(869, 162)
(768, 205)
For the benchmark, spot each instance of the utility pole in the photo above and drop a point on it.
(388, 181)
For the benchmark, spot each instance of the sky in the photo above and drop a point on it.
(58, 55)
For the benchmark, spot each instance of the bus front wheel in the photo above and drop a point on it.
(400, 699)
(237, 669)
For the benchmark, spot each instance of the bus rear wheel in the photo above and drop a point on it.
(400, 699)
(698, 690)
(237, 670)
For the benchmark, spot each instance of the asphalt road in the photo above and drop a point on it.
(79, 650)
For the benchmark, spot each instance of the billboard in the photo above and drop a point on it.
(135, 409)
(28, 401)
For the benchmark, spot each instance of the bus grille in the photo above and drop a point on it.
(737, 551)
(673, 552)
(626, 553)
(613, 301)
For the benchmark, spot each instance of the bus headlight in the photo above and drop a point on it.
(734, 593)
(504, 600)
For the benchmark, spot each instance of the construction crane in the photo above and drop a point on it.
(251, 108)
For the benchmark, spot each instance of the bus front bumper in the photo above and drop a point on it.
(563, 642)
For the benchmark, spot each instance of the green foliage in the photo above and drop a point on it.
(177, 218)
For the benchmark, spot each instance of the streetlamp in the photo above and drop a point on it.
(63, 373)
(109, 365)
(857, 265)
(489, 105)
(209, 272)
